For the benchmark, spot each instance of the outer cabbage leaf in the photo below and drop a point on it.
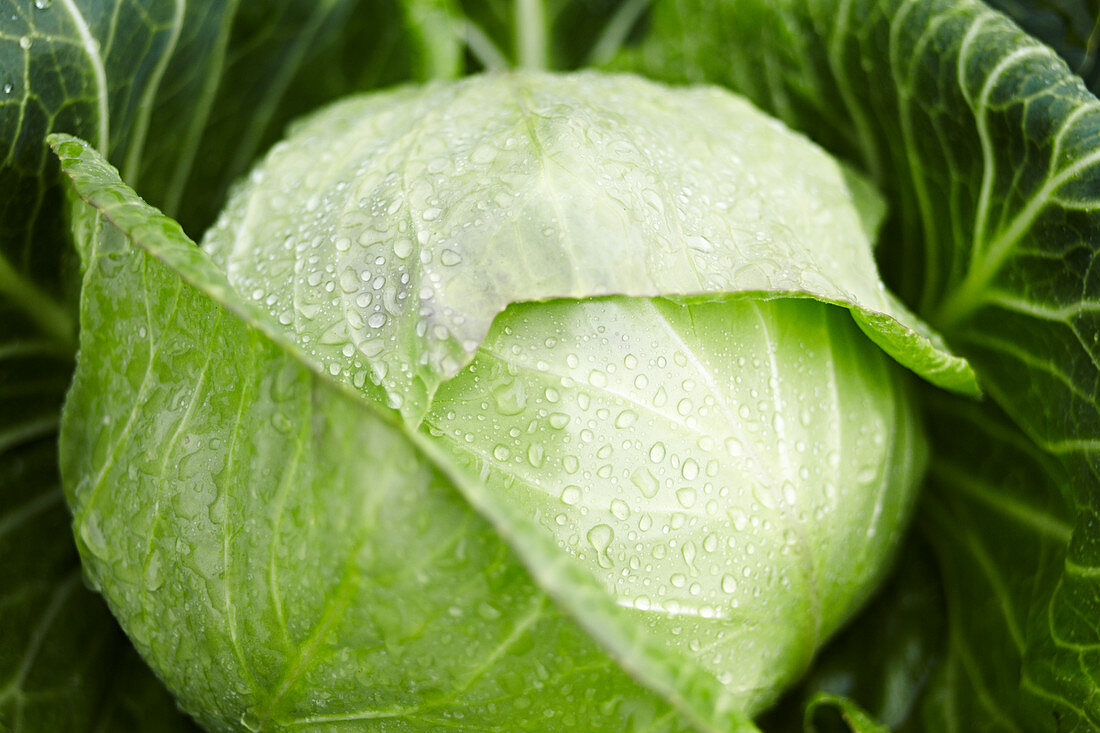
(986, 146)
(1006, 649)
(276, 547)
(1067, 26)
(387, 250)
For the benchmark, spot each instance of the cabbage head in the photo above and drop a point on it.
(525, 401)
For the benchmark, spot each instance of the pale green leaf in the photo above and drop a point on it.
(386, 250)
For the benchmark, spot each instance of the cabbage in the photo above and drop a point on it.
(503, 396)
(621, 321)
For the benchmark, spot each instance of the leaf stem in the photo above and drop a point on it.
(49, 315)
(482, 47)
(531, 52)
(615, 33)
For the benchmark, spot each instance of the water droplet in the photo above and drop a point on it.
(625, 419)
(729, 584)
(689, 552)
(450, 258)
(25, 42)
(646, 482)
(600, 538)
(657, 452)
(734, 447)
(251, 721)
(866, 475)
(690, 469)
(511, 397)
(501, 452)
(739, 518)
(558, 420)
(43, 4)
(7, 88)
(281, 422)
(764, 495)
(487, 612)
(535, 455)
(92, 536)
(152, 576)
(619, 509)
(571, 494)
(686, 496)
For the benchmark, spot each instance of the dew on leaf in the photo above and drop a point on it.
(571, 494)
(686, 497)
(600, 538)
(646, 482)
(625, 419)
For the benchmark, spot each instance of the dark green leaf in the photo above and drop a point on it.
(1001, 517)
(1070, 27)
(854, 718)
(987, 146)
(281, 60)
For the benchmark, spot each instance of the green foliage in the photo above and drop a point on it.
(986, 144)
